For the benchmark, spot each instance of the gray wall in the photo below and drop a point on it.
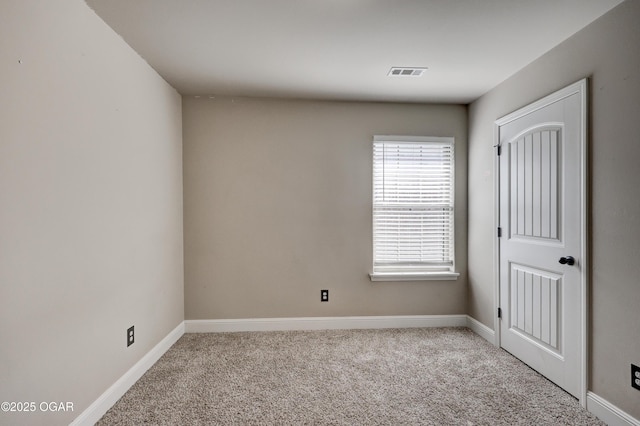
(90, 207)
(607, 51)
(278, 206)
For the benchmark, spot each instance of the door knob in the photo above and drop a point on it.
(569, 260)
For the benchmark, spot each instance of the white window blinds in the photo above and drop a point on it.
(413, 204)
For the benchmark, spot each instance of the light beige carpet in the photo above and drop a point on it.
(433, 376)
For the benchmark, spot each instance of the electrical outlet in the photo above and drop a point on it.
(130, 336)
(635, 376)
(324, 295)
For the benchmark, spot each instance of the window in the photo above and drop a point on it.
(413, 208)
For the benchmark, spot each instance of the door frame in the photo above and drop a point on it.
(581, 88)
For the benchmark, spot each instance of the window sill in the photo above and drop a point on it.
(414, 276)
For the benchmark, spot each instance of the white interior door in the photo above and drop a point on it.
(542, 264)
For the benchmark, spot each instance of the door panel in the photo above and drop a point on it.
(534, 183)
(541, 202)
(536, 311)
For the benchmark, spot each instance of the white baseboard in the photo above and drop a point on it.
(597, 405)
(323, 323)
(609, 413)
(101, 405)
(481, 330)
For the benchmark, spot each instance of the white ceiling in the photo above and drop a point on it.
(343, 49)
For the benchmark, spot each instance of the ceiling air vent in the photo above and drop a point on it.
(406, 72)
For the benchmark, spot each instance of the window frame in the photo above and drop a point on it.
(410, 272)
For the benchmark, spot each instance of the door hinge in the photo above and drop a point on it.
(499, 150)
(499, 312)
(499, 232)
